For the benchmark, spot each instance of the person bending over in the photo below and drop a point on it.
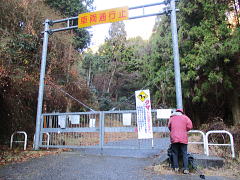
(179, 125)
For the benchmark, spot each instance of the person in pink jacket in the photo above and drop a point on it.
(179, 125)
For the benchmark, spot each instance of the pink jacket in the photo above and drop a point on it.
(179, 124)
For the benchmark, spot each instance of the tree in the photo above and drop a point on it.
(113, 51)
(209, 51)
(115, 71)
(159, 65)
(72, 8)
(20, 57)
(18, 66)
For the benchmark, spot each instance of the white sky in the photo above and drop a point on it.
(136, 27)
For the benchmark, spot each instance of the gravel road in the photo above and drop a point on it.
(73, 166)
(96, 164)
(78, 166)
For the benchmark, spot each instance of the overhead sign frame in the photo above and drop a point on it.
(68, 25)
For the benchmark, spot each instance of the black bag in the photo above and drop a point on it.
(191, 164)
(170, 157)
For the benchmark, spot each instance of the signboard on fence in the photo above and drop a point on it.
(92, 123)
(127, 118)
(144, 115)
(101, 17)
(75, 119)
(62, 121)
(164, 113)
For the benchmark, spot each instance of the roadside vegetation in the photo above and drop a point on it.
(20, 56)
(230, 169)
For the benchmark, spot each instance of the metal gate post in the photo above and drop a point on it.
(176, 54)
(101, 129)
(41, 84)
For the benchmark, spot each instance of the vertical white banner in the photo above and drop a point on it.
(144, 115)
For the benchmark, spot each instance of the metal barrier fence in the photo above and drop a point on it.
(206, 144)
(203, 142)
(17, 141)
(109, 129)
(215, 144)
(105, 129)
(69, 130)
(120, 134)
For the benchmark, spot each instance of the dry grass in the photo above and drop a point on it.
(195, 148)
(230, 169)
(163, 169)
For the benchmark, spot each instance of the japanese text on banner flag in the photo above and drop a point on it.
(144, 115)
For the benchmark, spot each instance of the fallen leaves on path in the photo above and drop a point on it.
(8, 156)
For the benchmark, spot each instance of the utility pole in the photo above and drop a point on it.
(176, 55)
(41, 85)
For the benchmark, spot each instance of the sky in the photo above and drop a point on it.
(136, 27)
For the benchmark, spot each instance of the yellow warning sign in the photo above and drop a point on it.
(104, 16)
(142, 96)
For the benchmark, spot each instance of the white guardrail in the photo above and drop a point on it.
(203, 142)
(214, 144)
(25, 139)
(206, 143)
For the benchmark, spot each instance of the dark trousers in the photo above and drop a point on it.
(179, 149)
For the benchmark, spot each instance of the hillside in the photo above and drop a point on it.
(20, 54)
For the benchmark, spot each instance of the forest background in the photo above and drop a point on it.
(209, 42)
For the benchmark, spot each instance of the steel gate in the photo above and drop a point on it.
(99, 129)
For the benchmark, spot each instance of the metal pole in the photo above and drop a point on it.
(176, 55)
(41, 84)
(148, 5)
(102, 116)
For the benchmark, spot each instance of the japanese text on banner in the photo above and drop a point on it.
(100, 17)
(144, 115)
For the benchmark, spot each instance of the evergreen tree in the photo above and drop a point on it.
(72, 8)
(209, 50)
